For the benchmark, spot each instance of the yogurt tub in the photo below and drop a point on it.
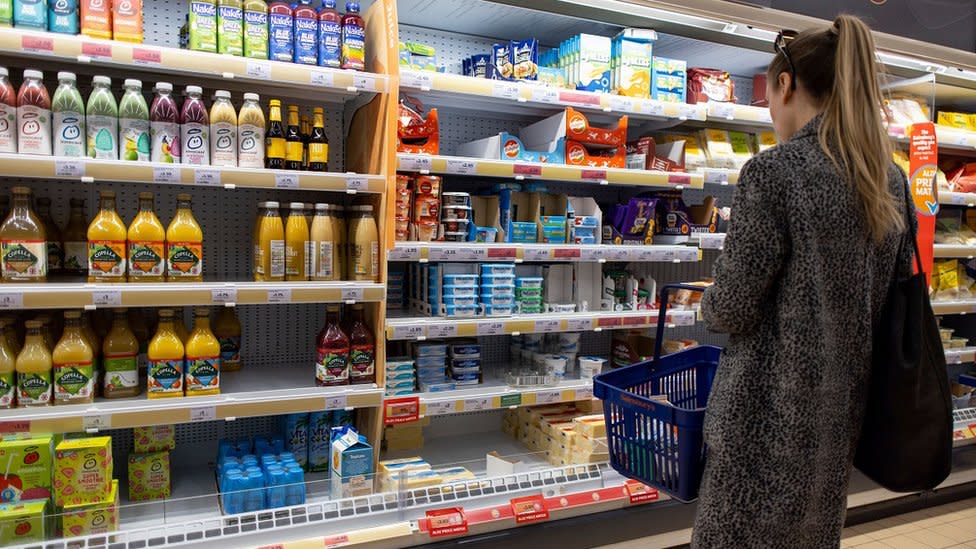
(456, 236)
(460, 300)
(530, 309)
(499, 310)
(560, 308)
(465, 363)
(431, 362)
(498, 289)
(508, 279)
(454, 213)
(528, 282)
(498, 299)
(456, 199)
(465, 349)
(533, 342)
(555, 365)
(430, 349)
(590, 366)
(458, 290)
(461, 279)
(498, 269)
(475, 377)
(461, 310)
(485, 234)
(528, 293)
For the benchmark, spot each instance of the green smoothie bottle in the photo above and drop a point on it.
(134, 141)
(68, 111)
(102, 120)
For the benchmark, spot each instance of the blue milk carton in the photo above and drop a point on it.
(352, 464)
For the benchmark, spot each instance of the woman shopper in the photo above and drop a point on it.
(812, 249)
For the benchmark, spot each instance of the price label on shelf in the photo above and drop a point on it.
(679, 179)
(593, 175)
(206, 177)
(491, 328)
(203, 413)
(584, 393)
(146, 56)
(567, 253)
(15, 427)
(579, 324)
(529, 509)
(423, 80)
(621, 103)
(536, 254)
(580, 98)
(98, 422)
(438, 253)
(280, 295)
(639, 320)
(449, 522)
(510, 401)
(223, 296)
(547, 325)
(545, 94)
(527, 170)
(618, 253)
(11, 300)
(357, 184)
(352, 294)
(462, 167)
(40, 44)
(415, 163)
(477, 404)
(401, 410)
(64, 167)
(286, 180)
(437, 331)
(651, 107)
(501, 254)
(722, 110)
(107, 297)
(166, 174)
(403, 252)
(548, 397)
(95, 49)
(441, 407)
(687, 111)
(365, 82)
(411, 332)
(592, 253)
(259, 70)
(321, 78)
(712, 241)
(765, 117)
(505, 90)
(336, 402)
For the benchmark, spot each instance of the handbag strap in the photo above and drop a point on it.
(909, 233)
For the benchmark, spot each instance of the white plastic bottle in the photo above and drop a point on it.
(250, 133)
(68, 111)
(223, 131)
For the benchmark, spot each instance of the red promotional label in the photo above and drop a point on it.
(92, 49)
(633, 320)
(530, 509)
(679, 179)
(579, 98)
(37, 43)
(401, 410)
(639, 492)
(608, 322)
(566, 253)
(336, 541)
(526, 169)
(447, 522)
(923, 156)
(143, 55)
(14, 427)
(501, 253)
(597, 175)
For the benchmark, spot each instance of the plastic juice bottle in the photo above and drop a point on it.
(330, 35)
(203, 25)
(362, 353)
(202, 357)
(164, 126)
(74, 371)
(102, 120)
(68, 110)
(165, 355)
(318, 143)
(96, 18)
(33, 115)
(274, 140)
(75, 237)
(293, 141)
(134, 140)
(364, 251)
(119, 351)
(34, 379)
(353, 38)
(332, 365)
(8, 114)
(196, 128)
(62, 16)
(30, 14)
(184, 244)
(323, 245)
(8, 372)
(147, 243)
(23, 248)
(250, 133)
(52, 235)
(223, 131)
(127, 20)
(227, 328)
(281, 32)
(230, 27)
(297, 244)
(306, 34)
(255, 29)
(106, 243)
(269, 245)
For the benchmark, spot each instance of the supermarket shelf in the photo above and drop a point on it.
(494, 395)
(956, 141)
(337, 84)
(964, 428)
(719, 176)
(708, 241)
(955, 250)
(419, 328)
(472, 251)
(954, 307)
(450, 165)
(250, 392)
(739, 115)
(957, 199)
(961, 356)
(177, 294)
(90, 170)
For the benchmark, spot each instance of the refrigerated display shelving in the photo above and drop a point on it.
(499, 251)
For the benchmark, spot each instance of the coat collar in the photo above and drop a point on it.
(811, 128)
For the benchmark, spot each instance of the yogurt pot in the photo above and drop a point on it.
(555, 365)
(461, 279)
(497, 299)
(498, 289)
(461, 310)
(590, 366)
(508, 279)
(500, 310)
(528, 282)
(431, 362)
(430, 349)
(485, 234)
(456, 199)
(466, 349)
(498, 269)
(456, 236)
(460, 300)
(458, 290)
(454, 213)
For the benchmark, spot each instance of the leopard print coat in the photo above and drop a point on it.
(797, 289)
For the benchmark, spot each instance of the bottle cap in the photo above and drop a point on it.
(322, 207)
(297, 205)
(272, 204)
(65, 75)
(132, 83)
(251, 97)
(194, 89)
(318, 110)
(164, 86)
(31, 73)
(361, 208)
(352, 7)
(3, 71)
(222, 94)
(275, 103)
(102, 80)
(328, 4)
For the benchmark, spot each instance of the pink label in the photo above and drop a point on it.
(679, 179)
(526, 169)
(579, 98)
(37, 43)
(501, 253)
(143, 55)
(92, 49)
(593, 174)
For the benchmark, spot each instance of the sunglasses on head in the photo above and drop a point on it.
(779, 46)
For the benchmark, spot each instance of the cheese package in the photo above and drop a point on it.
(741, 148)
(765, 140)
(592, 426)
(954, 120)
(718, 148)
(586, 445)
(454, 474)
(551, 429)
(410, 480)
(580, 458)
(590, 406)
(391, 468)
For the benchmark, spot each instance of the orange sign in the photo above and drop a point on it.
(923, 156)
(530, 509)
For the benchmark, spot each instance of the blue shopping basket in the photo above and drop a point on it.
(660, 443)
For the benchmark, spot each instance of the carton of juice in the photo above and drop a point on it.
(96, 18)
(82, 471)
(158, 438)
(296, 437)
(22, 522)
(25, 469)
(96, 518)
(6, 13)
(127, 20)
(320, 440)
(149, 476)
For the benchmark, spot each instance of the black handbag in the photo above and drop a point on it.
(906, 435)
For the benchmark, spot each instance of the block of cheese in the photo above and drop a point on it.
(589, 445)
(590, 406)
(412, 479)
(389, 469)
(552, 428)
(590, 458)
(592, 426)
(454, 474)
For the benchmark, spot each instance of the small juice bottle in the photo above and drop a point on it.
(318, 143)
(75, 237)
(96, 18)
(147, 243)
(165, 355)
(127, 20)
(8, 113)
(353, 38)
(196, 128)
(8, 371)
(330, 35)
(164, 126)
(269, 245)
(296, 244)
(250, 133)
(52, 234)
(106, 243)
(294, 149)
(119, 351)
(202, 357)
(362, 349)
(134, 140)
(34, 380)
(23, 244)
(323, 245)
(332, 365)
(68, 110)
(223, 131)
(184, 244)
(281, 32)
(255, 29)
(74, 371)
(227, 328)
(306, 34)
(230, 27)
(33, 115)
(102, 120)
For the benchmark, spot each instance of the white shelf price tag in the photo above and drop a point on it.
(256, 69)
(357, 184)
(203, 413)
(547, 325)
(11, 300)
(286, 180)
(548, 397)
(98, 422)
(584, 393)
(411, 332)
(462, 167)
(536, 254)
(477, 404)
(491, 328)
(321, 78)
(404, 253)
(352, 294)
(505, 90)
(223, 296)
(621, 103)
(438, 253)
(280, 295)
(69, 168)
(436, 331)
(593, 253)
(417, 79)
(644, 253)
(415, 163)
(765, 117)
(364, 82)
(107, 297)
(714, 241)
(166, 174)
(338, 402)
(579, 324)
(652, 108)
(722, 110)
(687, 111)
(545, 94)
(209, 178)
(440, 408)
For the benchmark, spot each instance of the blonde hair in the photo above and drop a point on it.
(837, 67)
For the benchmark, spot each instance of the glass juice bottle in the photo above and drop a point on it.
(362, 345)
(74, 369)
(147, 243)
(52, 235)
(75, 236)
(332, 366)
(227, 328)
(120, 350)
(23, 246)
(8, 369)
(107, 243)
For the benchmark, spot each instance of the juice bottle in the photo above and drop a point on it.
(306, 34)
(353, 38)
(134, 141)
(62, 16)
(318, 143)
(323, 244)
(33, 366)
(230, 28)
(362, 353)
(52, 235)
(196, 128)
(184, 244)
(223, 131)
(147, 243)
(250, 133)
(296, 244)
(33, 115)
(332, 364)
(102, 120)
(281, 34)
(364, 250)
(202, 357)
(330, 35)
(106, 242)
(8, 113)
(11, 336)
(178, 325)
(293, 141)
(6, 13)
(75, 237)
(255, 29)
(269, 244)
(96, 18)
(164, 126)
(68, 110)
(127, 20)
(203, 25)
(119, 351)
(227, 328)
(74, 371)
(8, 372)
(339, 251)
(30, 14)
(165, 354)
(274, 140)
(23, 248)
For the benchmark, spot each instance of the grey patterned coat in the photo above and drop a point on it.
(798, 288)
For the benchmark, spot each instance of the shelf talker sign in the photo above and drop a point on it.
(530, 509)
(923, 158)
(401, 410)
(442, 523)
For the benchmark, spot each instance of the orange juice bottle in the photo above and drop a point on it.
(202, 357)
(96, 18)
(227, 328)
(34, 380)
(106, 243)
(184, 244)
(147, 244)
(178, 325)
(165, 359)
(296, 244)
(74, 371)
(120, 349)
(8, 369)
(127, 20)
(269, 244)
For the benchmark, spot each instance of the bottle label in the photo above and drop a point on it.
(230, 350)
(362, 361)
(250, 144)
(375, 262)
(76, 256)
(106, 258)
(277, 258)
(55, 253)
(69, 134)
(318, 152)
(8, 385)
(165, 142)
(366, 259)
(184, 259)
(203, 26)
(33, 130)
(63, 16)
(134, 141)
(74, 380)
(121, 372)
(196, 144)
(324, 267)
(280, 37)
(353, 46)
(292, 265)
(223, 143)
(102, 131)
(146, 258)
(306, 41)
(230, 30)
(330, 33)
(165, 377)
(33, 388)
(332, 366)
(258, 260)
(202, 374)
(294, 151)
(309, 258)
(256, 34)
(8, 128)
(23, 259)
(276, 147)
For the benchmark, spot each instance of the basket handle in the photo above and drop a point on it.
(663, 314)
